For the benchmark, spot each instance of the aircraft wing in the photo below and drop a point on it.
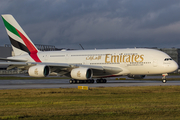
(59, 67)
(34, 63)
(24, 65)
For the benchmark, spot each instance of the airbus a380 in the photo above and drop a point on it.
(83, 65)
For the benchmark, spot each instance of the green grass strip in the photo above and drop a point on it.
(109, 103)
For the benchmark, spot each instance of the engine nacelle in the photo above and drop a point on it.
(137, 76)
(81, 73)
(39, 71)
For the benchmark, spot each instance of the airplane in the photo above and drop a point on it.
(83, 66)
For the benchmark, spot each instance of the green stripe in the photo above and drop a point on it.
(10, 27)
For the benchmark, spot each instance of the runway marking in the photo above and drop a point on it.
(83, 87)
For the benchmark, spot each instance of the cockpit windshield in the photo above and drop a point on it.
(167, 59)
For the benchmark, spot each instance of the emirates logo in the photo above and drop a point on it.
(36, 71)
(78, 74)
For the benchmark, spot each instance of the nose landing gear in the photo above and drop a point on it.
(164, 78)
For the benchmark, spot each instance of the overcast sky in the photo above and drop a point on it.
(96, 23)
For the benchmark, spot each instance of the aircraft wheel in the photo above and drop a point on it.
(74, 81)
(102, 81)
(164, 80)
(89, 81)
(105, 80)
(70, 81)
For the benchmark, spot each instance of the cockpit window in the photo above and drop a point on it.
(167, 59)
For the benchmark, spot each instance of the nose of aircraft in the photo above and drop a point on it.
(173, 66)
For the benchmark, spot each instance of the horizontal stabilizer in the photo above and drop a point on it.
(13, 60)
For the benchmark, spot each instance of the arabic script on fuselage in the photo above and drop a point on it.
(93, 58)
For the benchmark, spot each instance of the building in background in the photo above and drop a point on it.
(173, 52)
(5, 51)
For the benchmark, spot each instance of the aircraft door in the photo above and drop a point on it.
(85, 62)
(46, 57)
(67, 57)
(155, 63)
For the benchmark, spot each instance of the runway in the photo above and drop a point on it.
(64, 83)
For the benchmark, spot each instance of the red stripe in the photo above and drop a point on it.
(30, 46)
(35, 57)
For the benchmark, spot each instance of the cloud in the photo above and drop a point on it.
(97, 23)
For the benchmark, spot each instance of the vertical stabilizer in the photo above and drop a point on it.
(20, 42)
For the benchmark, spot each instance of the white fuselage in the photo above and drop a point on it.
(131, 61)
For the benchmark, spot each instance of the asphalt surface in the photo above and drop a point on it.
(64, 83)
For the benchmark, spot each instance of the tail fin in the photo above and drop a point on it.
(20, 42)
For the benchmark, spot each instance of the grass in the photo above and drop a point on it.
(154, 102)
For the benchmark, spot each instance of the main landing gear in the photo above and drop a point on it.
(73, 81)
(101, 81)
(164, 78)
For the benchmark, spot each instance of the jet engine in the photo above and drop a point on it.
(39, 71)
(81, 73)
(137, 76)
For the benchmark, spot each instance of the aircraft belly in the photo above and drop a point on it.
(102, 73)
(147, 70)
(138, 70)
